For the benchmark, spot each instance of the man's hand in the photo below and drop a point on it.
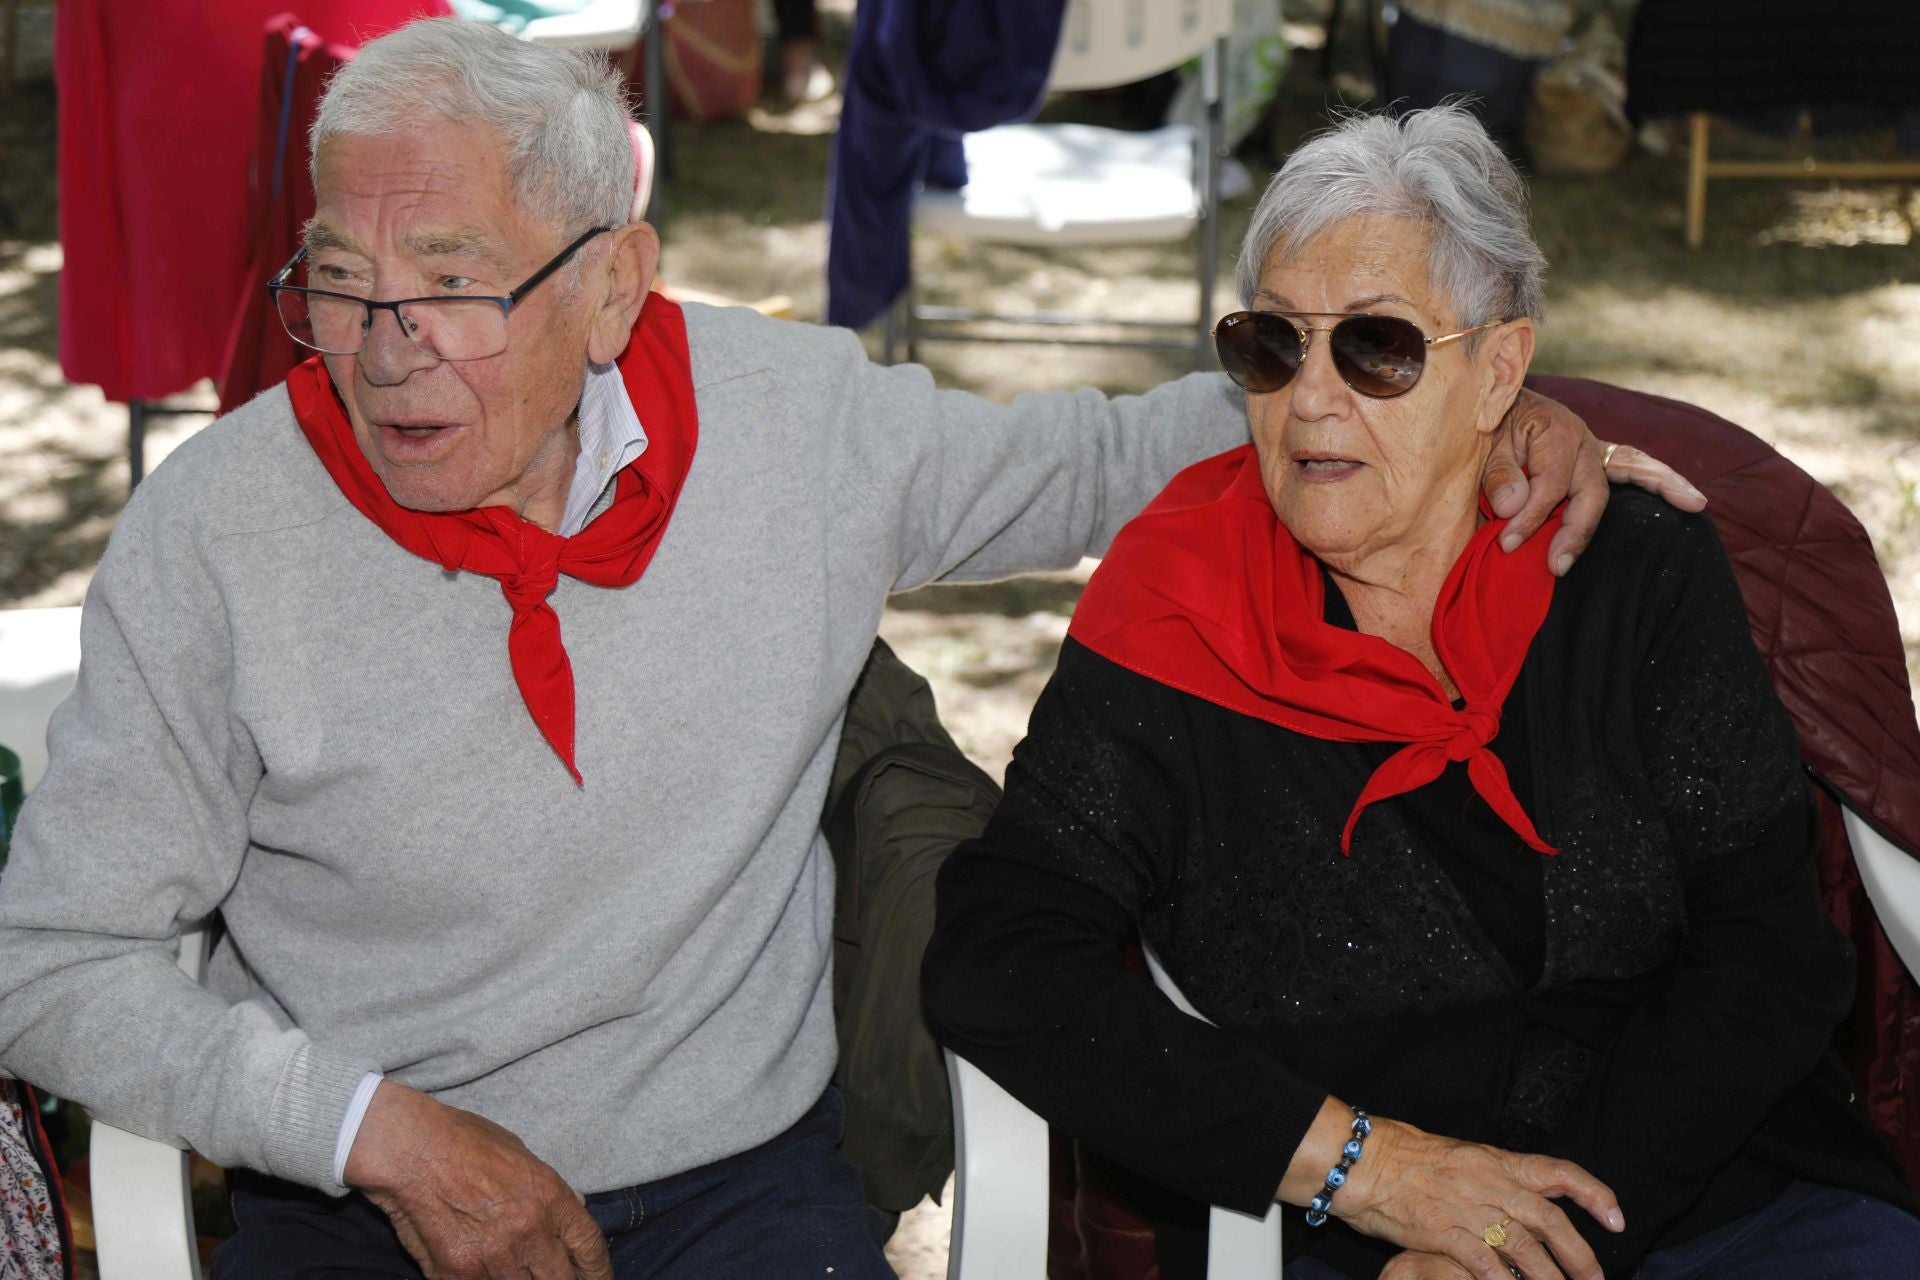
(467, 1198)
(1545, 439)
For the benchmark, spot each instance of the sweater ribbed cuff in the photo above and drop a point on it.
(1271, 1146)
(315, 1090)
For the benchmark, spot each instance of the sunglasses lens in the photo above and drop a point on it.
(1259, 350)
(1379, 356)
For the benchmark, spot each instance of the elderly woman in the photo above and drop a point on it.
(1495, 890)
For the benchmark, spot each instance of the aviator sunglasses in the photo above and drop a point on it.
(1378, 356)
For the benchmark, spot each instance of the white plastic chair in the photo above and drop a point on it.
(1073, 184)
(1001, 1159)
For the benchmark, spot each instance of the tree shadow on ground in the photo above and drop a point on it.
(87, 492)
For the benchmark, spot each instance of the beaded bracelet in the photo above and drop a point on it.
(1337, 1176)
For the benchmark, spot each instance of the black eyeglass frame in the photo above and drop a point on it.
(1234, 320)
(279, 285)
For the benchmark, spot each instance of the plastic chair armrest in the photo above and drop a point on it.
(1892, 880)
(1001, 1160)
(142, 1205)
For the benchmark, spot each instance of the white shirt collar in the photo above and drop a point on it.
(611, 437)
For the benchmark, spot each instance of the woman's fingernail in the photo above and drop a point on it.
(1509, 540)
(1617, 1220)
(1561, 564)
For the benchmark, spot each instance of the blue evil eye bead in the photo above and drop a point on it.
(1352, 1150)
(1316, 1218)
(1321, 1203)
(1336, 1178)
(1361, 1125)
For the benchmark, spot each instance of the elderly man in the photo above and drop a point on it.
(527, 912)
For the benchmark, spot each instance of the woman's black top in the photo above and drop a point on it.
(1655, 1002)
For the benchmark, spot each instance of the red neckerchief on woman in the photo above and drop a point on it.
(612, 551)
(1207, 592)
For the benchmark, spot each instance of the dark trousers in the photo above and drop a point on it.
(790, 1208)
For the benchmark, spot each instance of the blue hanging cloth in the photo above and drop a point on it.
(920, 73)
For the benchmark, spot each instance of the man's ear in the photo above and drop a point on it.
(618, 285)
(1505, 353)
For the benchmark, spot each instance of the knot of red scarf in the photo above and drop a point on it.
(612, 551)
(1479, 724)
(1207, 592)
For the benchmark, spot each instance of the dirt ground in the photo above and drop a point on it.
(1800, 320)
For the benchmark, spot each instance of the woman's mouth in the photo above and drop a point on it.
(1325, 469)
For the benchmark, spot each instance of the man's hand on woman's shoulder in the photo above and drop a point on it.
(1544, 453)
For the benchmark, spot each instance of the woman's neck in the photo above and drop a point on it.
(1392, 592)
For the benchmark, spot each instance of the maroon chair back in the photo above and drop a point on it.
(1823, 620)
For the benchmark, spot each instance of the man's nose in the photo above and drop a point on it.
(1318, 389)
(388, 356)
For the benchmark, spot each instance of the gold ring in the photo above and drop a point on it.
(1606, 459)
(1496, 1235)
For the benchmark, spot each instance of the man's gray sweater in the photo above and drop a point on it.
(284, 717)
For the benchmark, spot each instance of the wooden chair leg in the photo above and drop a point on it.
(1698, 124)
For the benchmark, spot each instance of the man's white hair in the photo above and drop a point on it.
(563, 115)
(1437, 167)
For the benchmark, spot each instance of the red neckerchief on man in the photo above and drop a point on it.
(1207, 592)
(612, 551)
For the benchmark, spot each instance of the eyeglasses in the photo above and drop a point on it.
(450, 326)
(1378, 356)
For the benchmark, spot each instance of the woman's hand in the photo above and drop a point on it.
(1545, 440)
(1423, 1266)
(1433, 1195)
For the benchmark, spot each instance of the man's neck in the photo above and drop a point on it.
(540, 495)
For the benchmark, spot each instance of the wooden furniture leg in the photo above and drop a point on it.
(1698, 124)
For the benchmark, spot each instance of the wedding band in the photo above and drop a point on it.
(1496, 1235)
(1606, 459)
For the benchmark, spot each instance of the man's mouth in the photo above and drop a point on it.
(414, 439)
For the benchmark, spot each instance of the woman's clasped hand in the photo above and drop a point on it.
(1441, 1200)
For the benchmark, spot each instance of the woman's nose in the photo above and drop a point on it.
(1318, 389)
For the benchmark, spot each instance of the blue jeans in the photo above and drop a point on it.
(1808, 1232)
(790, 1208)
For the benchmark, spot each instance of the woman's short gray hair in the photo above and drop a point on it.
(563, 114)
(1437, 167)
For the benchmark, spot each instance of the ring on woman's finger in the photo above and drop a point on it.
(1496, 1235)
(1606, 459)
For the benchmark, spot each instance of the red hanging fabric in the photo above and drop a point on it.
(156, 125)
